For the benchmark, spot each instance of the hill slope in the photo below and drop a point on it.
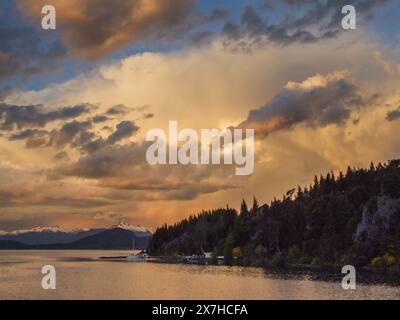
(13, 245)
(115, 238)
(121, 236)
(42, 236)
(350, 219)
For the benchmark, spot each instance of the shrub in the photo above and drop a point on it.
(294, 254)
(237, 253)
(389, 260)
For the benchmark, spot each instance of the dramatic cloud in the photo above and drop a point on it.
(118, 109)
(393, 115)
(27, 189)
(12, 116)
(23, 49)
(68, 133)
(321, 21)
(35, 138)
(201, 87)
(89, 142)
(100, 119)
(166, 189)
(94, 28)
(202, 38)
(318, 101)
(26, 134)
(124, 130)
(254, 30)
(24, 121)
(328, 14)
(107, 161)
(123, 168)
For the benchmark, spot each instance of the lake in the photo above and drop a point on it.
(80, 275)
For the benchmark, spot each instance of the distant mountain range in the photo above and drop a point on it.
(122, 236)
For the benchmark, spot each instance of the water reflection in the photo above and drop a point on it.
(81, 275)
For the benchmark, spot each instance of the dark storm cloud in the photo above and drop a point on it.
(95, 28)
(23, 49)
(20, 117)
(34, 138)
(324, 17)
(119, 109)
(88, 28)
(26, 134)
(123, 169)
(89, 142)
(100, 119)
(107, 161)
(58, 138)
(258, 31)
(327, 14)
(77, 134)
(315, 106)
(202, 38)
(125, 129)
(117, 167)
(393, 115)
(68, 132)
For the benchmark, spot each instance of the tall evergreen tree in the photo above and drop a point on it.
(255, 205)
(244, 211)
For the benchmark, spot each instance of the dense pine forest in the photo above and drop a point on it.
(352, 218)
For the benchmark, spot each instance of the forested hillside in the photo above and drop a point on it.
(352, 218)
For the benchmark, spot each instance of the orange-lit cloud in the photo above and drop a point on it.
(201, 88)
(317, 102)
(94, 28)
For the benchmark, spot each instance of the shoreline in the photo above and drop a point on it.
(318, 273)
(365, 276)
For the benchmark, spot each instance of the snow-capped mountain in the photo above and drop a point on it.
(46, 235)
(136, 229)
(32, 230)
(101, 237)
(121, 236)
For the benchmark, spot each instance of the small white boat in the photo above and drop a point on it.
(137, 257)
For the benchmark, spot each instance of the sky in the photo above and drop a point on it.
(76, 102)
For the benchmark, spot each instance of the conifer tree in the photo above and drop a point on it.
(244, 209)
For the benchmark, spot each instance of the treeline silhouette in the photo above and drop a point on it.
(351, 218)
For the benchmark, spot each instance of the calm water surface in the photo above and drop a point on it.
(81, 276)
